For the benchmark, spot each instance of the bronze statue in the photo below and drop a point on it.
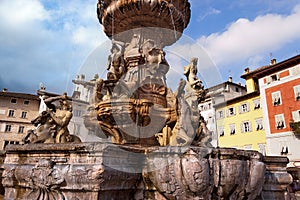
(190, 71)
(52, 124)
(115, 61)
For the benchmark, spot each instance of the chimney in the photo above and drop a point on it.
(4, 90)
(230, 79)
(42, 87)
(247, 70)
(273, 61)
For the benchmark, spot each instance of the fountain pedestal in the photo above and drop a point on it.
(106, 171)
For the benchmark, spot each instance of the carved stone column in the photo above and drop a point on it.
(276, 178)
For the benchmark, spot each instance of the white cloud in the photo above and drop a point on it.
(19, 13)
(244, 38)
(45, 41)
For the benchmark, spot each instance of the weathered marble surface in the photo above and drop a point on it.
(78, 171)
(107, 171)
(276, 178)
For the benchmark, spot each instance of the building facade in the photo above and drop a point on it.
(240, 121)
(16, 112)
(215, 95)
(279, 85)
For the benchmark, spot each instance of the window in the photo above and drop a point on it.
(8, 128)
(26, 102)
(284, 150)
(279, 121)
(246, 127)
(232, 129)
(237, 89)
(297, 92)
(295, 70)
(220, 114)
(210, 120)
(231, 111)
(296, 115)
(77, 113)
(201, 108)
(13, 101)
(274, 77)
(221, 131)
(259, 124)
(10, 142)
(21, 129)
(256, 103)
(244, 108)
(11, 113)
(276, 98)
(24, 114)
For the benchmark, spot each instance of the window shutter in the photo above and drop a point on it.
(248, 107)
(240, 109)
(250, 126)
(295, 116)
(242, 127)
(297, 92)
(296, 89)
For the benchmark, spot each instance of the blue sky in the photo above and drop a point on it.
(50, 41)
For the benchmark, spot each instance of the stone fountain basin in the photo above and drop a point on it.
(107, 171)
(120, 16)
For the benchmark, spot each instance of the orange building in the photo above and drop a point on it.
(281, 102)
(279, 85)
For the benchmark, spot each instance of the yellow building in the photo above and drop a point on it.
(240, 121)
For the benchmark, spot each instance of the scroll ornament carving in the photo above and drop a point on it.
(45, 182)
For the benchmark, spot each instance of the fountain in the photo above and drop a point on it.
(160, 145)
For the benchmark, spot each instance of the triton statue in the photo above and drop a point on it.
(52, 123)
